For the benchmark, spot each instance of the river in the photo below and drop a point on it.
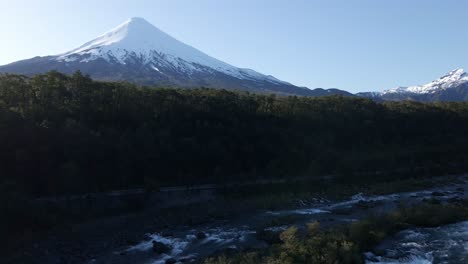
(446, 244)
(187, 244)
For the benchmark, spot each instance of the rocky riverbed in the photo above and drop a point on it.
(440, 245)
(168, 237)
(189, 244)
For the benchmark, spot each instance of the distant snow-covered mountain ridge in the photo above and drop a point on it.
(138, 52)
(453, 86)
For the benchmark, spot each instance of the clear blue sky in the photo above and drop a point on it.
(356, 45)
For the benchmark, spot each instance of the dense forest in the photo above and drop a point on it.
(69, 134)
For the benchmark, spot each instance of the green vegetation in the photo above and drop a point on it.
(68, 134)
(64, 135)
(345, 244)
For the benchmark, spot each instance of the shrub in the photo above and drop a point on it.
(345, 244)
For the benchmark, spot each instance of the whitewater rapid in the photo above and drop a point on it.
(441, 245)
(437, 245)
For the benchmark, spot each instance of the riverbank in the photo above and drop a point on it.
(108, 240)
(347, 243)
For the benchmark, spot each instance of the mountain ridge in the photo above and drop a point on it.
(136, 51)
(452, 86)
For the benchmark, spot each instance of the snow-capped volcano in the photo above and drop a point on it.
(138, 52)
(138, 39)
(451, 79)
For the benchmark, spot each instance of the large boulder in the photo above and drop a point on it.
(201, 235)
(161, 248)
(171, 261)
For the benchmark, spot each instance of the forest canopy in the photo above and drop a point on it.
(69, 134)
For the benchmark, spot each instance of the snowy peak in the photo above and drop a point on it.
(135, 34)
(138, 52)
(138, 41)
(457, 73)
(449, 80)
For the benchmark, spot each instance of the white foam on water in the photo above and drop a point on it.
(407, 260)
(413, 235)
(277, 228)
(177, 244)
(311, 211)
(181, 247)
(446, 244)
(360, 197)
(226, 236)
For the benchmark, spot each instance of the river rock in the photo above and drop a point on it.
(342, 211)
(147, 237)
(454, 200)
(201, 235)
(171, 261)
(371, 257)
(161, 248)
